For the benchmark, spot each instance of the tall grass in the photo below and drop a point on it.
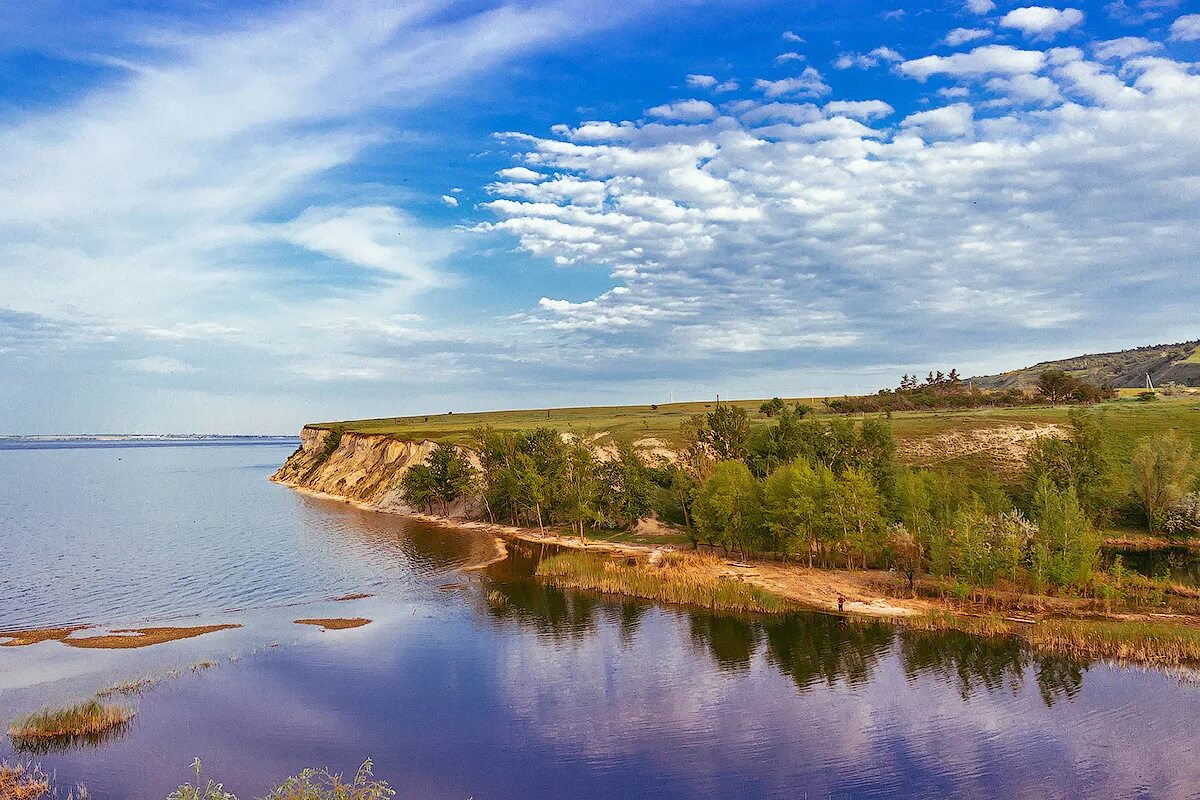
(311, 784)
(22, 782)
(681, 578)
(92, 721)
(1121, 640)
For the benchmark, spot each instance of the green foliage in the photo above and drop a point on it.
(1078, 461)
(728, 508)
(1161, 472)
(792, 509)
(726, 431)
(445, 476)
(1066, 546)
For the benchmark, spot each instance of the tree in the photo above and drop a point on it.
(727, 429)
(907, 554)
(451, 473)
(417, 487)
(856, 504)
(772, 407)
(1065, 546)
(578, 488)
(624, 488)
(1056, 385)
(727, 508)
(1077, 461)
(1161, 472)
(790, 508)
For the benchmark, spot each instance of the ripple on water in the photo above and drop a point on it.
(112, 535)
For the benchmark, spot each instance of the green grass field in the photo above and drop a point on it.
(1194, 358)
(1125, 421)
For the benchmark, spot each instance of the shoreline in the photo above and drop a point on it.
(1150, 638)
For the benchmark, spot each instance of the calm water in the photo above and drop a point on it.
(491, 686)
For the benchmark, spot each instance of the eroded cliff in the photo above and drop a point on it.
(362, 468)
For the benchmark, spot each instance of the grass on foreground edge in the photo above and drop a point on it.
(679, 578)
(85, 719)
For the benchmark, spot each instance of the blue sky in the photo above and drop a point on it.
(235, 217)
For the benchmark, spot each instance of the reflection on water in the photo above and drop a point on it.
(1180, 564)
(506, 688)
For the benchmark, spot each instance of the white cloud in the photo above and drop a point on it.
(962, 35)
(1125, 47)
(523, 174)
(793, 37)
(867, 60)
(730, 237)
(809, 83)
(859, 109)
(450, 200)
(701, 81)
(726, 86)
(980, 6)
(946, 122)
(783, 58)
(685, 110)
(1186, 28)
(992, 59)
(1042, 22)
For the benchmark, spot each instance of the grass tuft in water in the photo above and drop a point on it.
(681, 578)
(92, 720)
(311, 784)
(22, 782)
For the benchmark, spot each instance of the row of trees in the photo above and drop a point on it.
(940, 390)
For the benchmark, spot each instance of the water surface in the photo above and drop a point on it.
(493, 686)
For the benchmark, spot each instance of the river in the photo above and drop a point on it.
(490, 685)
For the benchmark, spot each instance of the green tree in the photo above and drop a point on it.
(451, 474)
(578, 487)
(1161, 472)
(1078, 461)
(727, 510)
(856, 504)
(726, 431)
(1056, 385)
(417, 487)
(1066, 546)
(790, 508)
(772, 407)
(625, 488)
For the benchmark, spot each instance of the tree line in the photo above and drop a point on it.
(949, 390)
(829, 492)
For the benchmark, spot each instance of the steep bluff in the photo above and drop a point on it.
(362, 468)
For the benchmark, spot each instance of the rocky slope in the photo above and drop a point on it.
(1164, 363)
(362, 468)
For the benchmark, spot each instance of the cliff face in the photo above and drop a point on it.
(362, 468)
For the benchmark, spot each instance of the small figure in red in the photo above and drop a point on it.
(841, 602)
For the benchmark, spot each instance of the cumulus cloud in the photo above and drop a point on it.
(962, 35)
(809, 83)
(789, 36)
(980, 6)
(783, 58)
(450, 200)
(1124, 47)
(701, 81)
(949, 121)
(859, 109)
(867, 60)
(1042, 22)
(685, 110)
(1186, 28)
(992, 59)
(775, 232)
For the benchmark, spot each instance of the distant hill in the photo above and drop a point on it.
(1125, 369)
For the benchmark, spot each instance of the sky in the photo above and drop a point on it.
(226, 217)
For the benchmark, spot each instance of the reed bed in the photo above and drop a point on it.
(986, 625)
(1159, 643)
(22, 782)
(679, 578)
(90, 720)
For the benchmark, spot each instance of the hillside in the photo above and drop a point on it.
(1124, 369)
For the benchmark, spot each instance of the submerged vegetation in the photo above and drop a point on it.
(51, 729)
(680, 578)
